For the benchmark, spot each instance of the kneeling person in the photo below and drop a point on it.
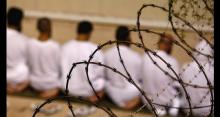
(123, 93)
(79, 50)
(43, 58)
(17, 69)
(192, 74)
(158, 86)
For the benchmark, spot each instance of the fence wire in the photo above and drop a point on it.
(177, 78)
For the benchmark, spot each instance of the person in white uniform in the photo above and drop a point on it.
(44, 59)
(17, 69)
(193, 75)
(123, 93)
(79, 50)
(157, 85)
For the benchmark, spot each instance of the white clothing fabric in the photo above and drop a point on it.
(17, 69)
(155, 82)
(118, 88)
(79, 51)
(192, 70)
(44, 59)
(121, 95)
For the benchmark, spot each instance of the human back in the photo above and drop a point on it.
(192, 74)
(17, 69)
(16, 48)
(118, 88)
(79, 50)
(132, 61)
(160, 77)
(44, 58)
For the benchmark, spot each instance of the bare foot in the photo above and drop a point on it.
(132, 103)
(10, 89)
(94, 98)
(22, 86)
(49, 93)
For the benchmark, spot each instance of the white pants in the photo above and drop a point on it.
(121, 95)
(84, 89)
(17, 74)
(43, 86)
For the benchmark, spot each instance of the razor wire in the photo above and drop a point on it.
(149, 52)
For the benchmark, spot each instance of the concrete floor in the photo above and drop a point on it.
(20, 107)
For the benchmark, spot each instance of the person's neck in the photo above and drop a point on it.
(14, 28)
(163, 51)
(82, 37)
(124, 44)
(43, 37)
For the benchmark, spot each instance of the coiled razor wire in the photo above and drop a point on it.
(182, 44)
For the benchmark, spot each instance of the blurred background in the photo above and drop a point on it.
(106, 15)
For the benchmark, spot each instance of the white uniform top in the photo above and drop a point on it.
(155, 82)
(44, 59)
(118, 88)
(17, 70)
(79, 51)
(192, 73)
(132, 61)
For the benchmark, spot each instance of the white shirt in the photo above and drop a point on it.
(17, 70)
(44, 59)
(132, 61)
(117, 87)
(192, 73)
(79, 51)
(154, 80)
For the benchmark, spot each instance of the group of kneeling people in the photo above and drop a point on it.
(42, 64)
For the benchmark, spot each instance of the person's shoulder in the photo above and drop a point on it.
(24, 37)
(10, 32)
(91, 44)
(69, 43)
(145, 57)
(173, 58)
(32, 41)
(110, 50)
(16, 34)
(188, 65)
(174, 61)
(150, 53)
(54, 43)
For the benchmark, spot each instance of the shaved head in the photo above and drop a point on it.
(14, 18)
(44, 26)
(165, 42)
